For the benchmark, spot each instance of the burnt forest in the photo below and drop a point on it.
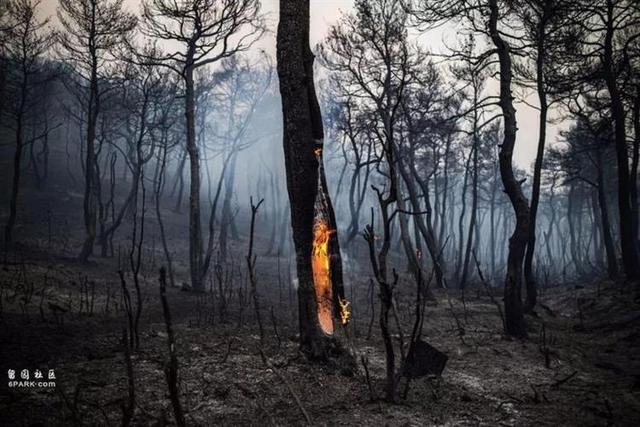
(319, 212)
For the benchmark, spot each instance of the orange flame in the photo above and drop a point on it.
(345, 314)
(321, 274)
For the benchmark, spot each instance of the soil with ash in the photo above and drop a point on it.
(580, 365)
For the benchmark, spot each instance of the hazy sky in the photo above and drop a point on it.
(327, 12)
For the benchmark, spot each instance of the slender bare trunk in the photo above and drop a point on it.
(529, 276)
(17, 159)
(628, 240)
(195, 226)
(514, 319)
(474, 191)
(612, 263)
(90, 175)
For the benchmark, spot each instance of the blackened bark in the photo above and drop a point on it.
(17, 158)
(529, 275)
(227, 220)
(612, 264)
(171, 365)
(573, 241)
(358, 187)
(628, 240)
(548, 233)
(445, 190)
(302, 134)
(90, 176)
(158, 196)
(463, 210)
(635, 160)
(514, 319)
(493, 222)
(474, 190)
(251, 267)
(107, 232)
(195, 225)
(179, 181)
(424, 226)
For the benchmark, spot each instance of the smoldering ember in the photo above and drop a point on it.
(295, 212)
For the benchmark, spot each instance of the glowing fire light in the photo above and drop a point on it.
(321, 274)
(345, 314)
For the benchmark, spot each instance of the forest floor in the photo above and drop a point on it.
(591, 334)
(591, 331)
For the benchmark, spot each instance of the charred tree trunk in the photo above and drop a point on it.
(227, 223)
(41, 157)
(599, 253)
(463, 210)
(492, 223)
(195, 226)
(529, 275)
(17, 158)
(445, 190)
(573, 243)
(275, 214)
(424, 225)
(635, 160)
(4, 71)
(474, 190)
(90, 176)
(251, 269)
(612, 263)
(357, 192)
(178, 182)
(628, 240)
(514, 319)
(303, 134)
(549, 232)
(171, 365)
(158, 196)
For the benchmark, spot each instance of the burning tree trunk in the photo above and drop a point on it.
(326, 262)
(319, 266)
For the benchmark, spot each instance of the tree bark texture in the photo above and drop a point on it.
(302, 135)
(514, 319)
